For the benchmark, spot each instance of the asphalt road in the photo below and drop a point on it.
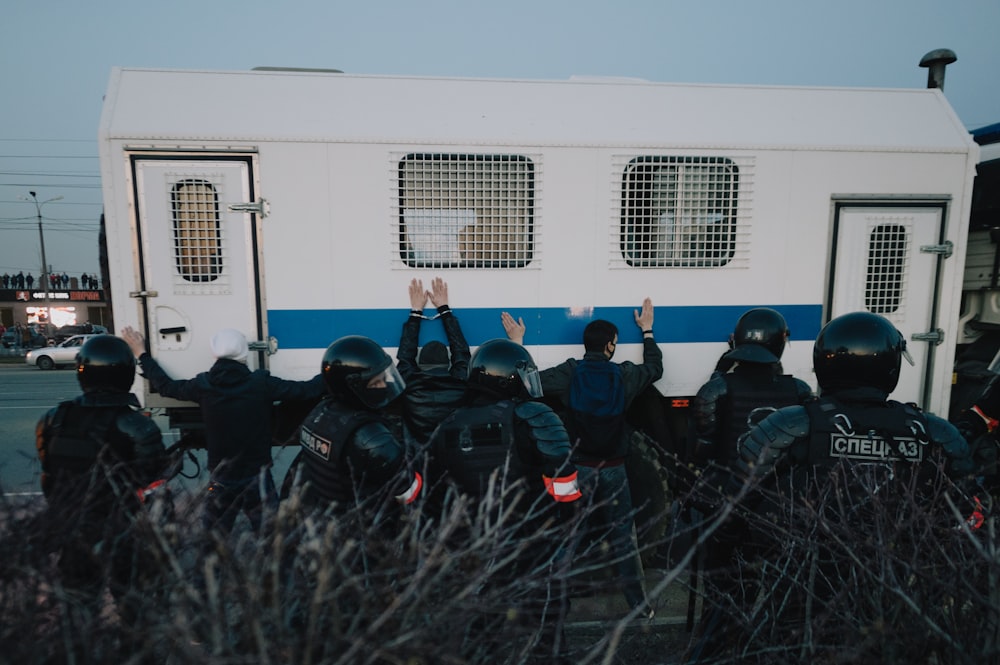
(26, 393)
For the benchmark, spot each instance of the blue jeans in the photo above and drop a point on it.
(607, 490)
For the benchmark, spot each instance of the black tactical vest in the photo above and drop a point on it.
(877, 443)
(746, 394)
(324, 435)
(472, 442)
(76, 438)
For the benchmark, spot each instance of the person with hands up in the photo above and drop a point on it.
(435, 380)
(595, 393)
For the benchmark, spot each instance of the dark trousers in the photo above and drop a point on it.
(613, 516)
(227, 498)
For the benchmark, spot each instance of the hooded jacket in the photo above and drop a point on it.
(235, 405)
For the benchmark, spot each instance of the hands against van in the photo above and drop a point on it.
(135, 340)
(515, 328)
(438, 295)
(644, 319)
(418, 297)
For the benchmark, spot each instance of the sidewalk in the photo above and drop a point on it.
(659, 640)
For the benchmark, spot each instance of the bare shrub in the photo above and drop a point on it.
(449, 581)
(891, 575)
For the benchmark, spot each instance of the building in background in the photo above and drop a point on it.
(68, 306)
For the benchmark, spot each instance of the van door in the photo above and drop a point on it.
(886, 261)
(198, 258)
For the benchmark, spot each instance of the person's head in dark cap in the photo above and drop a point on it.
(433, 354)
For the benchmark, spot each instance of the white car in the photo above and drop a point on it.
(50, 357)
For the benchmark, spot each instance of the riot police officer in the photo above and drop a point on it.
(755, 382)
(500, 420)
(100, 460)
(501, 439)
(857, 359)
(852, 438)
(349, 452)
(978, 424)
(747, 385)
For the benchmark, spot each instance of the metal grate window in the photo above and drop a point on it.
(466, 211)
(197, 230)
(887, 262)
(679, 211)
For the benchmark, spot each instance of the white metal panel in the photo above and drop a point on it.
(301, 106)
(193, 302)
(880, 268)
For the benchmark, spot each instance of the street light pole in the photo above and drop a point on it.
(45, 265)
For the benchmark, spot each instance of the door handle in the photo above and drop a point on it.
(936, 336)
(268, 346)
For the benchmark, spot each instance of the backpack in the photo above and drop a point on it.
(596, 418)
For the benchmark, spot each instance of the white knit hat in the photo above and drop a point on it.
(230, 343)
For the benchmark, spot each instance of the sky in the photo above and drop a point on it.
(56, 57)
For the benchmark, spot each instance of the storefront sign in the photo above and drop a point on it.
(24, 295)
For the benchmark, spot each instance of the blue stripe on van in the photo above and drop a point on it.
(312, 329)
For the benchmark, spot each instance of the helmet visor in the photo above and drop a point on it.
(530, 378)
(382, 388)
(903, 352)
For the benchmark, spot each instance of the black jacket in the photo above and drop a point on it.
(236, 407)
(349, 455)
(723, 405)
(96, 451)
(435, 391)
(556, 381)
(781, 443)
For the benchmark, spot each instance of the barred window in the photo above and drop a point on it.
(466, 211)
(197, 231)
(679, 211)
(886, 274)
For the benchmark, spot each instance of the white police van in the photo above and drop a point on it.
(298, 205)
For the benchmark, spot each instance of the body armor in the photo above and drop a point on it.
(325, 436)
(523, 439)
(74, 438)
(474, 441)
(744, 396)
(726, 406)
(875, 443)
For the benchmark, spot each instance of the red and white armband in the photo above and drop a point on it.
(413, 491)
(564, 488)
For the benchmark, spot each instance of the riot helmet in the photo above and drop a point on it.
(505, 368)
(356, 369)
(105, 363)
(759, 336)
(859, 350)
